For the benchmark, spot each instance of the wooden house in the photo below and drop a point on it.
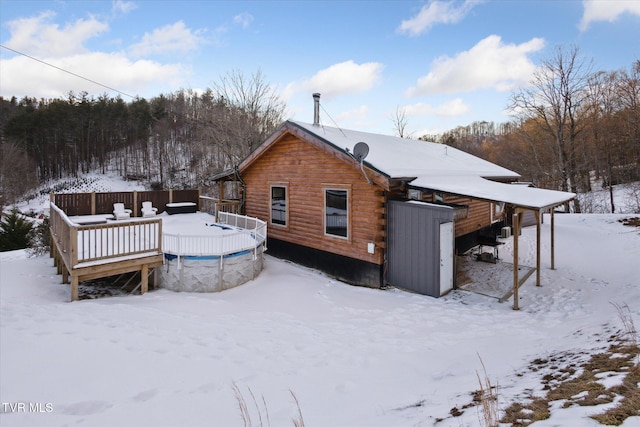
(376, 210)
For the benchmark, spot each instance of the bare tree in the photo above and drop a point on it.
(628, 91)
(252, 111)
(603, 105)
(399, 120)
(555, 102)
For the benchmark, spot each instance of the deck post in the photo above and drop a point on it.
(516, 232)
(144, 277)
(135, 203)
(537, 248)
(553, 246)
(74, 287)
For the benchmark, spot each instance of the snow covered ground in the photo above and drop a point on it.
(352, 356)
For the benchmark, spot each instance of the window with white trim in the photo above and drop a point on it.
(496, 212)
(336, 212)
(279, 205)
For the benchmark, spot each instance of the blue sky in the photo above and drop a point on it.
(444, 63)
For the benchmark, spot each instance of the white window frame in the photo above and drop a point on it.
(286, 204)
(497, 210)
(347, 190)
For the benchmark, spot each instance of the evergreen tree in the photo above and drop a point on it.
(40, 239)
(14, 232)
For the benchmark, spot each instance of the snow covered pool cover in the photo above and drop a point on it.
(201, 255)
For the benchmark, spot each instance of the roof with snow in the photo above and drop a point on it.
(401, 157)
(439, 167)
(424, 165)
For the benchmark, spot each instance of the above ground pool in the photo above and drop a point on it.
(205, 255)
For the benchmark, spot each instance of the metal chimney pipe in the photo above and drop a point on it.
(316, 109)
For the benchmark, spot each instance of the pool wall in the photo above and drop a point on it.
(210, 273)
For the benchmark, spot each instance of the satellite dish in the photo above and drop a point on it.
(360, 151)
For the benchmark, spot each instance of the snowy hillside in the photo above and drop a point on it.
(352, 356)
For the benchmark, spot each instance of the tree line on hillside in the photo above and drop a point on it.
(170, 141)
(571, 125)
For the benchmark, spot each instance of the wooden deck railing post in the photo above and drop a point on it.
(73, 234)
(135, 203)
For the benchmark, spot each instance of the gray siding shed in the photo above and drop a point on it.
(414, 245)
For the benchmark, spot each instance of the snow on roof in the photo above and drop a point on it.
(439, 167)
(481, 188)
(401, 157)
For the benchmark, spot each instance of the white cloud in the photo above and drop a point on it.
(64, 47)
(339, 79)
(40, 36)
(598, 10)
(170, 38)
(113, 70)
(489, 64)
(454, 107)
(243, 19)
(124, 7)
(359, 113)
(436, 12)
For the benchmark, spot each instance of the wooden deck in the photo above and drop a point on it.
(95, 250)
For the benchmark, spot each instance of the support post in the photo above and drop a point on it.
(553, 245)
(537, 248)
(74, 287)
(516, 233)
(144, 279)
(220, 274)
(135, 203)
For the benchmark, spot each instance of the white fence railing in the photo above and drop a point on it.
(251, 233)
(76, 243)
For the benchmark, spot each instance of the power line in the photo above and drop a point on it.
(68, 72)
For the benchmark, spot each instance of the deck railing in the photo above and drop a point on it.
(213, 205)
(252, 234)
(78, 244)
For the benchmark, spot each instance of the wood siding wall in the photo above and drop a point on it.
(479, 213)
(306, 171)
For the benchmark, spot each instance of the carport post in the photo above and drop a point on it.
(538, 214)
(516, 232)
(553, 247)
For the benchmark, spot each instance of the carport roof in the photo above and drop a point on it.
(480, 188)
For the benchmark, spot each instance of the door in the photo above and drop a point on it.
(415, 259)
(446, 257)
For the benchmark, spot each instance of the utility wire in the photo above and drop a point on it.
(68, 72)
(334, 122)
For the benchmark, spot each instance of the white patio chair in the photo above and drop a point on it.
(148, 209)
(119, 211)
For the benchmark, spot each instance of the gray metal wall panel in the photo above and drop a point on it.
(413, 254)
